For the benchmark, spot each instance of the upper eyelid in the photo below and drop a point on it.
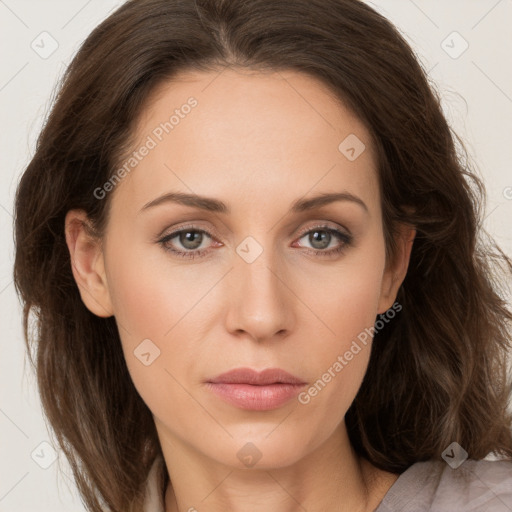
(179, 230)
(325, 226)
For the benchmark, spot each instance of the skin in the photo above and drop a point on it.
(257, 141)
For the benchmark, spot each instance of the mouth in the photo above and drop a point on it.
(249, 389)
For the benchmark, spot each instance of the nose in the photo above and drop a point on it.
(262, 303)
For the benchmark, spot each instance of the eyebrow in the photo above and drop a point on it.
(217, 206)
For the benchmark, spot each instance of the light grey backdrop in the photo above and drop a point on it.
(465, 44)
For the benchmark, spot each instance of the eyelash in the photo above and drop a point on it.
(191, 254)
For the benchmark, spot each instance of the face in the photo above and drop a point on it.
(258, 276)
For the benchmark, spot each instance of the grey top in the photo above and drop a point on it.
(475, 486)
(431, 486)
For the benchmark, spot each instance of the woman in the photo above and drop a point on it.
(258, 270)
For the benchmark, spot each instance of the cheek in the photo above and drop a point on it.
(151, 317)
(148, 292)
(346, 293)
(159, 312)
(347, 303)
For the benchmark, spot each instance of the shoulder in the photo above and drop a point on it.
(433, 486)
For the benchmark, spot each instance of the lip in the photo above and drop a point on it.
(249, 389)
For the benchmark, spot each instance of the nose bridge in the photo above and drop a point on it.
(261, 303)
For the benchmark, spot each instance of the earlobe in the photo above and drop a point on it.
(87, 264)
(395, 274)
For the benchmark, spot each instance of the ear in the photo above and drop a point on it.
(87, 264)
(395, 271)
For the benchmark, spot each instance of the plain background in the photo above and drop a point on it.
(476, 87)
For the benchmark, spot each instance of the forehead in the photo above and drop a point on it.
(258, 135)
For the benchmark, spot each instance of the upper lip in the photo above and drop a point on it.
(256, 378)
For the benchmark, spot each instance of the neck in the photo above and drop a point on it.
(332, 477)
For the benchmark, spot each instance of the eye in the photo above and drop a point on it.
(189, 238)
(192, 242)
(322, 237)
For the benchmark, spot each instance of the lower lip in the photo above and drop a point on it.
(256, 398)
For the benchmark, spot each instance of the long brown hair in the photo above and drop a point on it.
(437, 372)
